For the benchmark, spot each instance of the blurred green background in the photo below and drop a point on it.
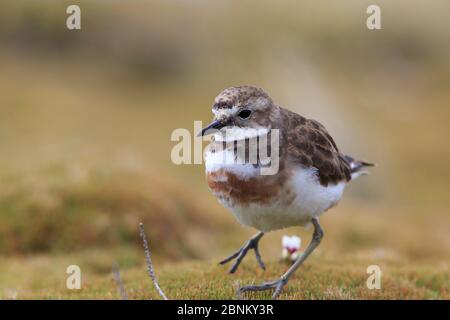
(86, 118)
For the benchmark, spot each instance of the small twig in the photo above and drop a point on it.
(237, 286)
(148, 259)
(120, 287)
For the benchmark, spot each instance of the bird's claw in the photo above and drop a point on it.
(242, 252)
(276, 285)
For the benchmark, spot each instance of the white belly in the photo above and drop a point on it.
(310, 200)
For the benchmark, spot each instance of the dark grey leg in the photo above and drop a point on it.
(278, 285)
(240, 254)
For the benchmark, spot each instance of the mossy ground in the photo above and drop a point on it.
(320, 278)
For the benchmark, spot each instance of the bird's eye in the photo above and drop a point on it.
(244, 114)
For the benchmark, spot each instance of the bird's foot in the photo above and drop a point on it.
(276, 285)
(242, 252)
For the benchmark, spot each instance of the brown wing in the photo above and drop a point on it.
(311, 145)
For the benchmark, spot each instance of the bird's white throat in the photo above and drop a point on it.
(229, 134)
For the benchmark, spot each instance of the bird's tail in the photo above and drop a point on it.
(357, 167)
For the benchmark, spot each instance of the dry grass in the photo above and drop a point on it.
(43, 277)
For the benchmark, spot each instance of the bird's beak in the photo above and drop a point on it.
(217, 124)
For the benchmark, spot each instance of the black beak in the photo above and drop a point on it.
(217, 124)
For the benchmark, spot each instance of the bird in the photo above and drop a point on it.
(310, 177)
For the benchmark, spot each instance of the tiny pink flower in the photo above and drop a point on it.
(291, 246)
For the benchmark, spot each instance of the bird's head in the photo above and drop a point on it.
(240, 110)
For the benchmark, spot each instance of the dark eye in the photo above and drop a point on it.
(244, 114)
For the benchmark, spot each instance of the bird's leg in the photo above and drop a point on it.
(240, 254)
(278, 285)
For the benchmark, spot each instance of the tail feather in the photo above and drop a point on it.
(357, 166)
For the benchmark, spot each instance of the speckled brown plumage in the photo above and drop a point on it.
(309, 144)
(239, 96)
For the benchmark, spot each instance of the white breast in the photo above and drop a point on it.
(225, 159)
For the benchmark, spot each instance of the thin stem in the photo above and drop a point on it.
(120, 287)
(148, 260)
